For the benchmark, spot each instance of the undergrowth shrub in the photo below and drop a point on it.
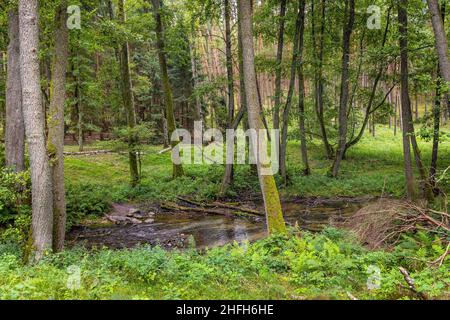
(86, 199)
(303, 265)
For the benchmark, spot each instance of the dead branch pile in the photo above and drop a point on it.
(382, 223)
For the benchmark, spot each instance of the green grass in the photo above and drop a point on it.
(326, 265)
(373, 167)
(323, 265)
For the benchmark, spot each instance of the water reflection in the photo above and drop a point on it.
(174, 230)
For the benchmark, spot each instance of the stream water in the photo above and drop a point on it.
(183, 230)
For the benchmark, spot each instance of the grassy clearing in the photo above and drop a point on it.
(373, 167)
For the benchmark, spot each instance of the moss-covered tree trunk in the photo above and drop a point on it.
(128, 102)
(168, 97)
(274, 214)
(56, 125)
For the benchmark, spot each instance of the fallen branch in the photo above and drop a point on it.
(88, 153)
(165, 150)
(173, 206)
(221, 205)
(439, 261)
(411, 284)
(352, 297)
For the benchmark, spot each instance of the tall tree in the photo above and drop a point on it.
(301, 98)
(198, 106)
(370, 108)
(274, 214)
(441, 44)
(405, 102)
(128, 101)
(56, 125)
(15, 127)
(318, 53)
(345, 78)
(436, 128)
(278, 65)
(168, 97)
(297, 52)
(41, 182)
(436, 120)
(228, 176)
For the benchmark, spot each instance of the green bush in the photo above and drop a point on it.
(15, 194)
(86, 199)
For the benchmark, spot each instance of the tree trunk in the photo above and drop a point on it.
(56, 126)
(198, 106)
(441, 43)
(166, 140)
(301, 109)
(343, 104)
(296, 61)
(405, 102)
(395, 114)
(369, 111)
(42, 202)
(78, 109)
(278, 67)
(274, 214)
(436, 128)
(424, 185)
(416, 107)
(128, 102)
(15, 127)
(318, 76)
(228, 176)
(168, 98)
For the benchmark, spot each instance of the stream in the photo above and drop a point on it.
(178, 230)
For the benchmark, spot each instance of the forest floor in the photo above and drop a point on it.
(374, 167)
(329, 264)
